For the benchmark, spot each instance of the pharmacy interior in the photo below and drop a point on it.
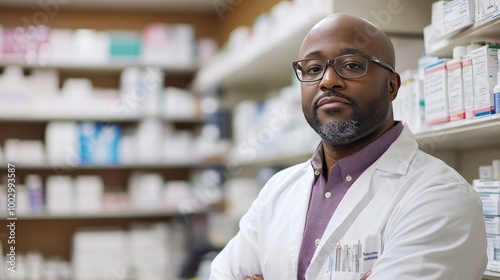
(135, 134)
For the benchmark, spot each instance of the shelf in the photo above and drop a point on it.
(460, 135)
(161, 166)
(444, 47)
(143, 5)
(266, 64)
(112, 118)
(491, 275)
(101, 215)
(109, 66)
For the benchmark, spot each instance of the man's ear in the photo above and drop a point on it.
(394, 84)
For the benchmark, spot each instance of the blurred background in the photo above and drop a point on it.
(139, 132)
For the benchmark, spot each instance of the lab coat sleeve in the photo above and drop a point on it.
(435, 236)
(240, 258)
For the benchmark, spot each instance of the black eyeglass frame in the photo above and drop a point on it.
(331, 62)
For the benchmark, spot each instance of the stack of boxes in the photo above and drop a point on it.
(457, 88)
(157, 43)
(488, 189)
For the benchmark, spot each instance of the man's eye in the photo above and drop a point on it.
(314, 70)
(352, 66)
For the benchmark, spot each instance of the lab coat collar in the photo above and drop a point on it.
(398, 157)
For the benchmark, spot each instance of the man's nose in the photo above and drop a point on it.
(331, 79)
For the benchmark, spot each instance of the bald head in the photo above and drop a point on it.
(348, 32)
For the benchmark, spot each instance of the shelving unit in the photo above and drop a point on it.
(487, 31)
(251, 68)
(265, 67)
(52, 234)
(463, 134)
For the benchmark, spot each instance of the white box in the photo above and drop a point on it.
(491, 240)
(489, 193)
(468, 86)
(492, 225)
(485, 65)
(493, 247)
(59, 194)
(89, 192)
(458, 14)
(436, 93)
(429, 37)
(486, 10)
(455, 89)
(437, 17)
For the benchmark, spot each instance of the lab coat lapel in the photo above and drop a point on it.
(355, 198)
(301, 195)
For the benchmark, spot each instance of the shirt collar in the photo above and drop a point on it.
(354, 165)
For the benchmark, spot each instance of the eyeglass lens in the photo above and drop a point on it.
(349, 67)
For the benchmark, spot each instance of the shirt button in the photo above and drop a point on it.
(316, 172)
(348, 178)
(317, 241)
(328, 194)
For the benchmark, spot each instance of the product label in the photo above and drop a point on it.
(484, 62)
(435, 90)
(455, 93)
(467, 84)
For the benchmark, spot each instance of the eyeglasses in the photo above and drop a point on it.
(349, 66)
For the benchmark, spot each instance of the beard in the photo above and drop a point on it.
(336, 131)
(363, 119)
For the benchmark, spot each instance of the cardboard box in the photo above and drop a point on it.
(436, 93)
(485, 66)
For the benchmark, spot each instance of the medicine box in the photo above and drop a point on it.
(458, 14)
(489, 193)
(437, 17)
(493, 247)
(486, 11)
(492, 225)
(485, 65)
(455, 89)
(436, 93)
(468, 86)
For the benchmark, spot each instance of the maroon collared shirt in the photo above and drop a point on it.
(326, 193)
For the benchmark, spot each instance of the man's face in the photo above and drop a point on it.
(341, 110)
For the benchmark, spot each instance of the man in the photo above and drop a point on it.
(410, 215)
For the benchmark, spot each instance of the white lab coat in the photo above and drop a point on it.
(429, 217)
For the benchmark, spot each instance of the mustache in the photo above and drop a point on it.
(335, 94)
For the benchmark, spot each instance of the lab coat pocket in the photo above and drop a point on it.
(343, 275)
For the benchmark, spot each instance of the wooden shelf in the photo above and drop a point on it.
(112, 118)
(102, 215)
(106, 66)
(444, 47)
(124, 167)
(143, 5)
